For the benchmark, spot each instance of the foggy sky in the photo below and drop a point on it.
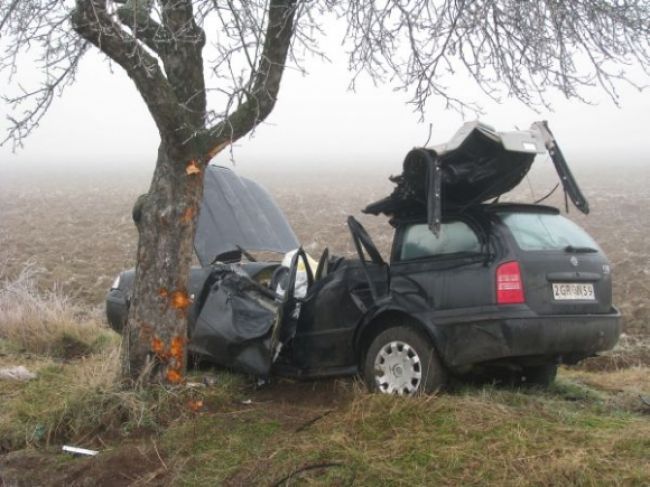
(319, 123)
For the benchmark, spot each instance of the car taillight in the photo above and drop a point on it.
(510, 288)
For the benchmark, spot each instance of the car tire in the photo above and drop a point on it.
(407, 361)
(539, 376)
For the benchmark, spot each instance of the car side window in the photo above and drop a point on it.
(455, 237)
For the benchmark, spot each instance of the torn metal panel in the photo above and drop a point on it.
(529, 141)
(476, 165)
(237, 213)
(569, 183)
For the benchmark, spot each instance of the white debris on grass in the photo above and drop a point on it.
(79, 451)
(18, 372)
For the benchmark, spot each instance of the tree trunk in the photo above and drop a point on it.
(155, 337)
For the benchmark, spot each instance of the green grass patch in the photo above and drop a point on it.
(578, 431)
(481, 435)
(238, 440)
(78, 401)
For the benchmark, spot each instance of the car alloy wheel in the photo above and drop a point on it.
(398, 369)
(402, 360)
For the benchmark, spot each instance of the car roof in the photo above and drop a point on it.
(518, 208)
(479, 164)
(476, 165)
(478, 212)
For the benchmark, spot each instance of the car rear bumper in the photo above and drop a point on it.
(568, 337)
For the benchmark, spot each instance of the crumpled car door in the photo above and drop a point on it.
(235, 325)
(242, 324)
(289, 307)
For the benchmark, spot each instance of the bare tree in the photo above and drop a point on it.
(518, 48)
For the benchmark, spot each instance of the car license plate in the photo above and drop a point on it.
(566, 291)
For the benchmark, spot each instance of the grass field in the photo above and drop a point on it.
(64, 235)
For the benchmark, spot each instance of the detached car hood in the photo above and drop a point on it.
(237, 213)
(476, 165)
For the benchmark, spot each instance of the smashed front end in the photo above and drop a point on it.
(236, 324)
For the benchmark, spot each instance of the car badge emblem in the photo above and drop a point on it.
(574, 261)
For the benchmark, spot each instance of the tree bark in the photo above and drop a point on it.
(156, 336)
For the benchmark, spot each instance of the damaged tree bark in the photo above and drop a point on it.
(155, 337)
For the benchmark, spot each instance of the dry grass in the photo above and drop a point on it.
(46, 322)
(496, 437)
(626, 389)
(630, 351)
(571, 434)
(635, 379)
(589, 428)
(77, 395)
(83, 402)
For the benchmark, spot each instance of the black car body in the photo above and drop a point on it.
(469, 283)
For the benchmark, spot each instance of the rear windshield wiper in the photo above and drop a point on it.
(579, 250)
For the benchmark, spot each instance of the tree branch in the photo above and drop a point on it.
(144, 28)
(91, 21)
(183, 60)
(10, 10)
(522, 49)
(44, 97)
(507, 47)
(261, 99)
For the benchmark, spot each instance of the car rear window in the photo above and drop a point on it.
(543, 231)
(455, 237)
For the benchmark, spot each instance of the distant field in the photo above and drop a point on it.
(75, 225)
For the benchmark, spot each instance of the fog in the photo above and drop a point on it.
(101, 124)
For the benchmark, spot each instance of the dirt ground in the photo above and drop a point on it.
(129, 465)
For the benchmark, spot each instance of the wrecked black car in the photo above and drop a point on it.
(471, 283)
